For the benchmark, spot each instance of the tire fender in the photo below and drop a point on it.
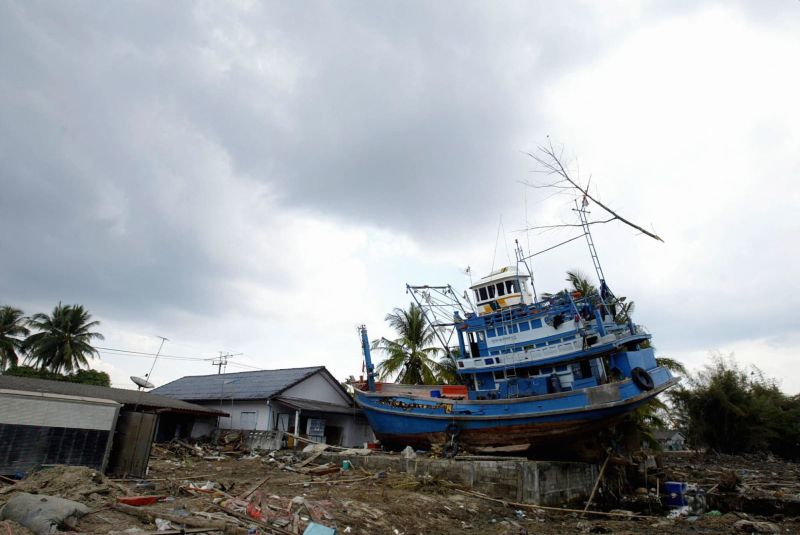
(642, 379)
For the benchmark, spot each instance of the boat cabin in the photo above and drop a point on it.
(515, 347)
(500, 289)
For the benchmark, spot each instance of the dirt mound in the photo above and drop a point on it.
(77, 483)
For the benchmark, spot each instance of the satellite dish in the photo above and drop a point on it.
(143, 383)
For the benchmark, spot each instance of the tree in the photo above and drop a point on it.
(619, 308)
(90, 377)
(410, 356)
(447, 371)
(732, 409)
(552, 164)
(12, 332)
(580, 283)
(64, 338)
(87, 377)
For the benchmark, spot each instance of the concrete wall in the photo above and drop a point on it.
(536, 482)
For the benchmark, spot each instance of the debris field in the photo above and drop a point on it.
(192, 490)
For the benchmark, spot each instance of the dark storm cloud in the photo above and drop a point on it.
(405, 116)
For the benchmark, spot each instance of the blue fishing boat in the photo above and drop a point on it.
(535, 370)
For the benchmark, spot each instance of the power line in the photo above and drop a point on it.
(105, 353)
(240, 365)
(115, 352)
(142, 353)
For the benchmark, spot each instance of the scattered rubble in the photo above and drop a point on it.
(41, 513)
(223, 488)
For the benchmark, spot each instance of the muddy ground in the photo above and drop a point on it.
(358, 502)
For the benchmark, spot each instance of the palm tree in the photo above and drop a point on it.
(409, 356)
(619, 308)
(447, 371)
(64, 338)
(12, 331)
(580, 283)
(672, 365)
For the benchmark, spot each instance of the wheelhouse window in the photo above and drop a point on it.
(484, 295)
(491, 291)
(511, 287)
(500, 289)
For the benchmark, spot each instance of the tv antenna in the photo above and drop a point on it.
(146, 378)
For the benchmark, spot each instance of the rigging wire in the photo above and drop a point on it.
(496, 241)
(505, 241)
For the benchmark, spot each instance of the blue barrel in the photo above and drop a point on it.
(436, 393)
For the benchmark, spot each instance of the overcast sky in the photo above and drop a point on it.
(259, 178)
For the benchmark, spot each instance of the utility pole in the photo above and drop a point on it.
(220, 362)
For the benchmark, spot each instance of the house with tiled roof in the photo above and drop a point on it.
(302, 402)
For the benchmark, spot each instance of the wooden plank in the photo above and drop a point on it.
(254, 488)
(310, 458)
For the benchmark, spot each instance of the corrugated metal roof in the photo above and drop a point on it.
(146, 400)
(243, 385)
(318, 406)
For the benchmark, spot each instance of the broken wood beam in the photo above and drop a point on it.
(149, 515)
(545, 508)
(254, 488)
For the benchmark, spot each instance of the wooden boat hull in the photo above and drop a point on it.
(400, 420)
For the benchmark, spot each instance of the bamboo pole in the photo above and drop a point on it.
(597, 483)
(545, 508)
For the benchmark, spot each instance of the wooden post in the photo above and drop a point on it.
(597, 483)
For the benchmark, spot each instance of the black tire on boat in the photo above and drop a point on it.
(450, 450)
(452, 430)
(642, 379)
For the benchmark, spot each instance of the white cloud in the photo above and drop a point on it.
(259, 179)
(688, 124)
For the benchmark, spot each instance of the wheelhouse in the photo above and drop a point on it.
(500, 289)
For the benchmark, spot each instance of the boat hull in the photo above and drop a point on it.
(419, 421)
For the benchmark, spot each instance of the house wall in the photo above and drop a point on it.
(356, 430)
(318, 388)
(353, 428)
(235, 409)
(38, 428)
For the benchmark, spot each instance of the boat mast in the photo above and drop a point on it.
(521, 258)
(605, 292)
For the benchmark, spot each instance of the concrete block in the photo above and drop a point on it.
(536, 482)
